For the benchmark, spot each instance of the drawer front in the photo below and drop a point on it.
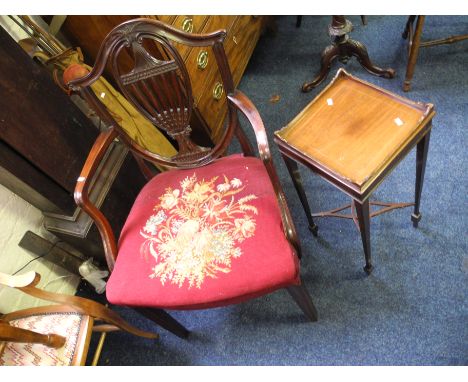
(239, 45)
(189, 24)
(168, 19)
(212, 106)
(201, 63)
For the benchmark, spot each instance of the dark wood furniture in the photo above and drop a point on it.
(161, 90)
(353, 134)
(413, 35)
(344, 48)
(65, 329)
(210, 108)
(37, 119)
(44, 141)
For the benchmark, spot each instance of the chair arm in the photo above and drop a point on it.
(17, 281)
(242, 103)
(77, 304)
(81, 195)
(87, 307)
(248, 109)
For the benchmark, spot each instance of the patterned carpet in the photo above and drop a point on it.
(413, 309)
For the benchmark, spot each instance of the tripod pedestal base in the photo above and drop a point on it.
(344, 48)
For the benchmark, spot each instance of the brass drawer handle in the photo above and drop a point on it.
(202, 59)
(187, 25)
(218, 91)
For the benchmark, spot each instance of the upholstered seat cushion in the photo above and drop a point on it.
(203, 237)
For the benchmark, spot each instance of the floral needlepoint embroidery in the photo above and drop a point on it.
(195, 230)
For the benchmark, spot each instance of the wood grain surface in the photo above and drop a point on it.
(354, 128)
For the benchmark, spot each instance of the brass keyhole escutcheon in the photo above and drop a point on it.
(187, 25)
(218, 91)
(202, 59)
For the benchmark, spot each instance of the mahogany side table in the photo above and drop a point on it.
(353, 134)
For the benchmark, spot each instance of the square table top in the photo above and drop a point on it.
(354, 129)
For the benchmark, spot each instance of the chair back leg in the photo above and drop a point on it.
(165, 320)
(302, 297)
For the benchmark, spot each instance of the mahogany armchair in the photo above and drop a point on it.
(213, 229)
(54, 335)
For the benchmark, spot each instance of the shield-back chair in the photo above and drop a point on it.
(213, 229)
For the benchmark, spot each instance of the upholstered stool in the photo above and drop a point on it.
(353, 134)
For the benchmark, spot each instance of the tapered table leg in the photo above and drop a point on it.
(413, 54)
(297, 181)
(421, 157)
(363, 215)
(408, 27)
(298, 21)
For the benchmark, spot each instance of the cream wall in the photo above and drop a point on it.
(16, 217)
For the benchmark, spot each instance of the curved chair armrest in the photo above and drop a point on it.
(18, 281)
(248, 109)
(242, 103)
(81, 196)
(69, 303)
(88, 307)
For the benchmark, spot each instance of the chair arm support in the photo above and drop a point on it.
(81, 195)
(242, 103)
(248, 109)
(84, 306)
(87, 307)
